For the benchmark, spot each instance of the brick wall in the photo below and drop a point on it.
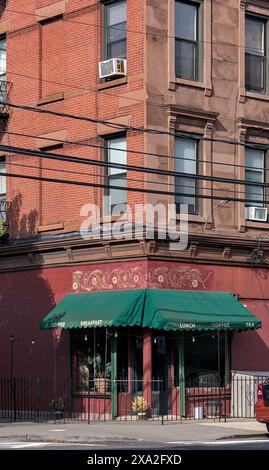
(53, 64)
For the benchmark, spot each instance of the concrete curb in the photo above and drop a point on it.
(244, 436)
(73, 439)
(124, 440)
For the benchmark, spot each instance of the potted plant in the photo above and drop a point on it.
(56, 405)
(101, 376)
(141, 406)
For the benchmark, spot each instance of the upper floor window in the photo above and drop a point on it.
(116, 198)
(115, 30)
(187, 35)
(255, 173)
(186, 151)
(3, 65)
(256, 60)
(2, 188)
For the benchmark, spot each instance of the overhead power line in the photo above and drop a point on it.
(174, 185)
(139, 190)
(117, 28)
(104, 27)
(122, 166)
(123, 127)
(131, 151)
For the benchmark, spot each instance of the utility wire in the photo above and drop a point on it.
(109, 186)
(120, 29)
(122, 127)
(95, 89)
(132, 151)
(140, 190)
(116, 28)
(101, 175)
(56, 156)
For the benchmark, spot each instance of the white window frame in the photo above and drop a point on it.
(178, 164)
(112, 173)
(256, 171)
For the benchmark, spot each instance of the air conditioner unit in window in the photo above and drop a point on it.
(256, 213)
(112, 68)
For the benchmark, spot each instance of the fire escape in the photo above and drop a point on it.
(5, 88)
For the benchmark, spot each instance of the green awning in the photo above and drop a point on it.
(152, 308)
(89, 310)
(195, 310)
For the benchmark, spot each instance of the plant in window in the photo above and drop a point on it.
(83, 374)
(101, 375)
(95, 362)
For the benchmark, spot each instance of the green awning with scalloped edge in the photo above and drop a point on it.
(161, 309)
(90, 310)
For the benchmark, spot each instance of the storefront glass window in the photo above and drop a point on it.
(91, 351)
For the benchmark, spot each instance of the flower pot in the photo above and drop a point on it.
(58, 414)
(101, 385)
(141, 415)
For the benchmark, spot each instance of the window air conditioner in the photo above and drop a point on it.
(257, 213)
(112, 68)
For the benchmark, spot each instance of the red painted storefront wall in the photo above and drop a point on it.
(26, 297)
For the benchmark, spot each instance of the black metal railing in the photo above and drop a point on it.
(5, 89)
(3, 209)
(45, 399)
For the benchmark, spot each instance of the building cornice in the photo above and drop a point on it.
(212, 249)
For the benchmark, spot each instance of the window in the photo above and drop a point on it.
(204, 359)
(186, 162)
(3, 56)
(115, 30)
(92, 353)
(116, 153)
(2, 189)
(255, 67)
(3, 87)
(187, 40)
(255, 172)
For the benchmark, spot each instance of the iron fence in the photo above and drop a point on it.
(45, 400)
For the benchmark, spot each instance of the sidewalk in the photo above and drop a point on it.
(115, 432)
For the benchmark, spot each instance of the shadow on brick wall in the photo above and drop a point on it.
(26, 296)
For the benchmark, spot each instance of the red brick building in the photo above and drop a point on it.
(185, 73)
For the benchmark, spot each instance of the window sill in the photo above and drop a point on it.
(257, 225)
(257, 96)
(195, 218)
(51, 99)
(48, 228)
(112, 83)
(190, 83)
(114, 218)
